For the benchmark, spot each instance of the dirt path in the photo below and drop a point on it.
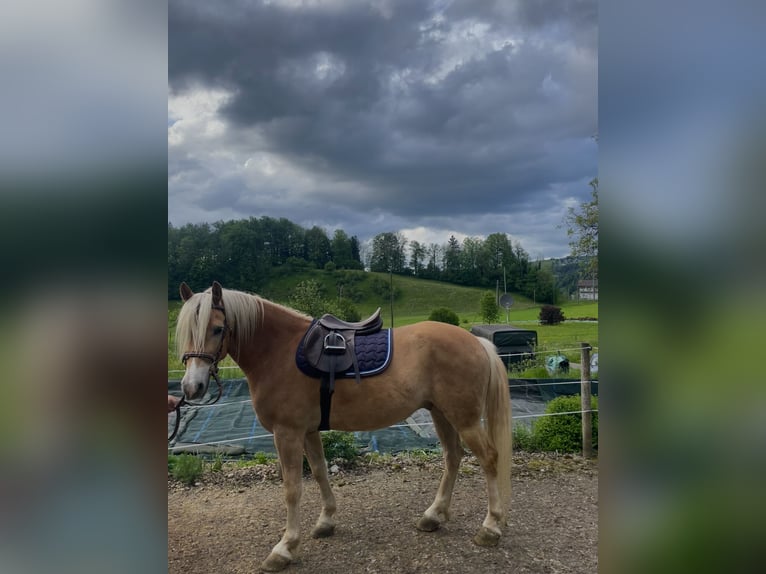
(231, 519)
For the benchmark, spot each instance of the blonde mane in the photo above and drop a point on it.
(244, 313)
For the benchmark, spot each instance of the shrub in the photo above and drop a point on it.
(444, 315)
(186, 468)
(382, 288)
(551, 315)
(339, 445)
(563, 433)
(524, 438)
(347, 311)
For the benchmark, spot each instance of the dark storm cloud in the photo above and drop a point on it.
(448, 108)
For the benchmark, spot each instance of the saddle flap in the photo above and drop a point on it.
(328, 351)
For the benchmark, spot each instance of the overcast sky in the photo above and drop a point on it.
(430, 118)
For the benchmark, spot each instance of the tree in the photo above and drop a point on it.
(388, 252)
(308, 297)
(452, 259)
(544, 287)
(432, 270)
(316, 246)
(490, 312)
(469, 257)
(417, 257)
(356, 253)
(345, 250)
(582, 228)
(497, 254)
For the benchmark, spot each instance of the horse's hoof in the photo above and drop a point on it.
(323, 531)
(427, 524)
(485, 537)
(275, 563)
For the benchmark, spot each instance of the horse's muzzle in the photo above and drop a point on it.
(195, 382)
(193, 390)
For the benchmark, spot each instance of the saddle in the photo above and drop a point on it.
(328, 347)
(329, 343)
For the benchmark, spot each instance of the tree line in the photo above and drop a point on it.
(245, 254)
(492, 262)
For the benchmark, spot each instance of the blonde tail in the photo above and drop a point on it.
(498, 418)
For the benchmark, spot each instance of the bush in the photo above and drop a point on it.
(563, 433)
(339, 445)
(347, 311)
(382, 288)
(444, 315)
(551, 315)
(217, 464)
(186, 468)
(524, 438)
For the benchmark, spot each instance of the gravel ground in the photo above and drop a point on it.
(229, 520)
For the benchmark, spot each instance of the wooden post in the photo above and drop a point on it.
(587, 415)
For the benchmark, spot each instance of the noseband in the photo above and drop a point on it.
(213, 359)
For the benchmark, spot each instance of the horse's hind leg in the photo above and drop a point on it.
(477, 440)
(290, 451)
(325, 525)
(438, 512)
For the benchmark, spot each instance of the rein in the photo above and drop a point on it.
(178, 419)
(214, 359)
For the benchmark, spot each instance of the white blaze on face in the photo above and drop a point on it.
(196, 378)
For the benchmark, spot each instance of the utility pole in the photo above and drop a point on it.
(391, 290)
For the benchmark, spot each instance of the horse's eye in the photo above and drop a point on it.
(217, 331)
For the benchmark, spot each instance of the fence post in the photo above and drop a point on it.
(587, 415)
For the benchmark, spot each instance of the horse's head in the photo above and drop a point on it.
(202, 335)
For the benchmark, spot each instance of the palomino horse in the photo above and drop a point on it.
(456, 376)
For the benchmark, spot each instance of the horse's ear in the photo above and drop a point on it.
(186, 292)
(217, 294)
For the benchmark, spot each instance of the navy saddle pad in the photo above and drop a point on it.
(373, 354)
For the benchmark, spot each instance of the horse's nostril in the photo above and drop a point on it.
(199, 387)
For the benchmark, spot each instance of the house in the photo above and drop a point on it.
(587, 290)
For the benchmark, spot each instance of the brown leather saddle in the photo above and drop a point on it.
(329, 348)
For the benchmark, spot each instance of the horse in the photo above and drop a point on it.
(457, 376)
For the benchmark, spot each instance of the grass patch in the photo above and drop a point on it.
(258, 458)
(186, 468)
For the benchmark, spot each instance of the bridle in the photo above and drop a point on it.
(213, 359)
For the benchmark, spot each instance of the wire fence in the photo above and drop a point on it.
(502, 355)
(515, 385)
(403, 426)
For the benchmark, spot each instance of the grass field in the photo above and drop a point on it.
(416, 299)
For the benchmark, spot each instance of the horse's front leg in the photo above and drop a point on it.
(289, 444)
(325, 525)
